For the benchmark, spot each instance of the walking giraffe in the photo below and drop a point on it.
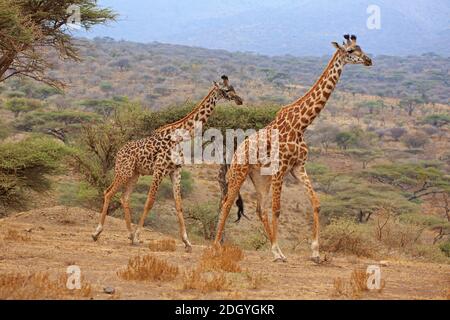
(290, 125)
(154, 156)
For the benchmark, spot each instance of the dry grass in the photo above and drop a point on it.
(255, 280)
(14, 235)
(194, 279)
(162, 245)
(221, 258)
(355, 286)
(447, 295)
(35, 286)
(148, 268)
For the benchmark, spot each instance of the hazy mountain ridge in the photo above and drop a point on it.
(288, 27)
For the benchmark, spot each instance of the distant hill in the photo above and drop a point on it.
(300, 27)
(163, 74)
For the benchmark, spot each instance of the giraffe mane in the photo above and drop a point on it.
(322, 76)
(211, 91)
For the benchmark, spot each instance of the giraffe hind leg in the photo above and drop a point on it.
(125, 201)
(108, 194)
(237, 176)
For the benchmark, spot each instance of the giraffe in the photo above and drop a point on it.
(153, 155)
(290, 124)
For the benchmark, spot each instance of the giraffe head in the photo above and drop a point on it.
(352, 52)
(226, 91)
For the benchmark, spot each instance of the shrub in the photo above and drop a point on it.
(205, 215)
(445, 248)
(25, 166)
(225, 258)
(21, 105)
(437, 120)
(415, 140)
(37, 286)
(397, 132)
(148, 268)
(346, 236)
(194, 279)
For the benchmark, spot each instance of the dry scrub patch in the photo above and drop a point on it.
(14, 235)
(17, 286)
(162, 245)
(355, 286)
(208, 282)
(255, 280)
(148, 268)
(225, 258)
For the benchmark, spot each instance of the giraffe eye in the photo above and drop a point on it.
(351, 51)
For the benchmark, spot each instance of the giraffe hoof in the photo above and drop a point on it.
(316, 260)
(95, 237)
(280, 259)
(188, 249)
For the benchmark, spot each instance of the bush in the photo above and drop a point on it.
(205, 216)
(415, 140)
(397, 132)
(346, 236)
(40, 121)
(445, 248)
(25, 166)
(437, 120)
(20, 105)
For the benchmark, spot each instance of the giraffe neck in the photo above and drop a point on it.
(200, 113)
(307, 108)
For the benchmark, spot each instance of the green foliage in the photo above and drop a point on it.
(25, 165)
(346, 139)
(346, 236)
(4, 130)
(28, 25)
(429, 221)
(104, 107)
(248, 117)
(22, 105)
(96, 146)
(372, 106)
(204, 216)
(224, 117)
(79, 194)
(415, 140)
(445, 248)
(41, 121)
(356, 198)
(437, 120)
(365, 156)
(417, 179)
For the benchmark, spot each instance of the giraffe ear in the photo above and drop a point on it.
(337, 46)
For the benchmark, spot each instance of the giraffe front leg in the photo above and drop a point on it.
(175, 176)
(157, 178)
(109, 193)
(276, 210)
(302, 176)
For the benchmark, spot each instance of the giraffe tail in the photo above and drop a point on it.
(240, 205)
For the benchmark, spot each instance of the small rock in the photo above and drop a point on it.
(109, 290)
(29, 229)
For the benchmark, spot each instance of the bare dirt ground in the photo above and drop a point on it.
(57, 237)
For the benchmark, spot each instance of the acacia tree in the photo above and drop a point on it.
(31, 29)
